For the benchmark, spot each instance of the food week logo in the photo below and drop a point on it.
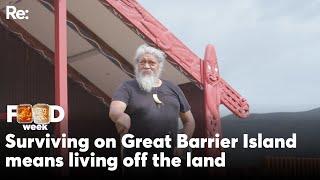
(39, 114)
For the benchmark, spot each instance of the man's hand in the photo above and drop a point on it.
(188, 123)
(123, 124)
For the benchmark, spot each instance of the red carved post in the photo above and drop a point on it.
(61, 78)
(216, 92)
(210, 82)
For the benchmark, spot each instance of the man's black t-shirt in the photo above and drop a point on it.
(149, 119)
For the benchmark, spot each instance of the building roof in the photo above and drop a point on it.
(102, 38)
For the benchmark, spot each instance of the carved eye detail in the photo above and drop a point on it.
(212, 77)
(209, 67)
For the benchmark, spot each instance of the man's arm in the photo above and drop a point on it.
(188, 123)
(119, 117)
(188, 129)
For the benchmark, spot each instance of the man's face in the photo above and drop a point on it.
(148, 65)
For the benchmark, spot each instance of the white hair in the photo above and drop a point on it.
(146, 49)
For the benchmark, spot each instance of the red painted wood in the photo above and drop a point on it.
(204, 73)
(61, 78)
(216, 92)
(61, 86)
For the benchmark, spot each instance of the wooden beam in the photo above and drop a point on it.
(83, 55)
(60, 63)
(104, 46)
(60, 73)
(108, 51)
(72, 73)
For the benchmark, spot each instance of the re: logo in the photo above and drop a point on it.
(12, 12)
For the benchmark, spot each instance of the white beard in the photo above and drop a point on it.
(147, 82)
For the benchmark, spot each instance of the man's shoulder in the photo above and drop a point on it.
(170, 84)
(130, 83)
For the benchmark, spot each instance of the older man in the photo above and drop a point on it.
(149, 106)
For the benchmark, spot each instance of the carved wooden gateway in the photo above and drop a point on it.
(204, 73)
(102, 37)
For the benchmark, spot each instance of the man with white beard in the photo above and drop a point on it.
(149, 106)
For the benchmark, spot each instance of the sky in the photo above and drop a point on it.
(269, 51)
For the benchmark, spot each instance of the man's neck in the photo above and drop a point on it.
(159, 83)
